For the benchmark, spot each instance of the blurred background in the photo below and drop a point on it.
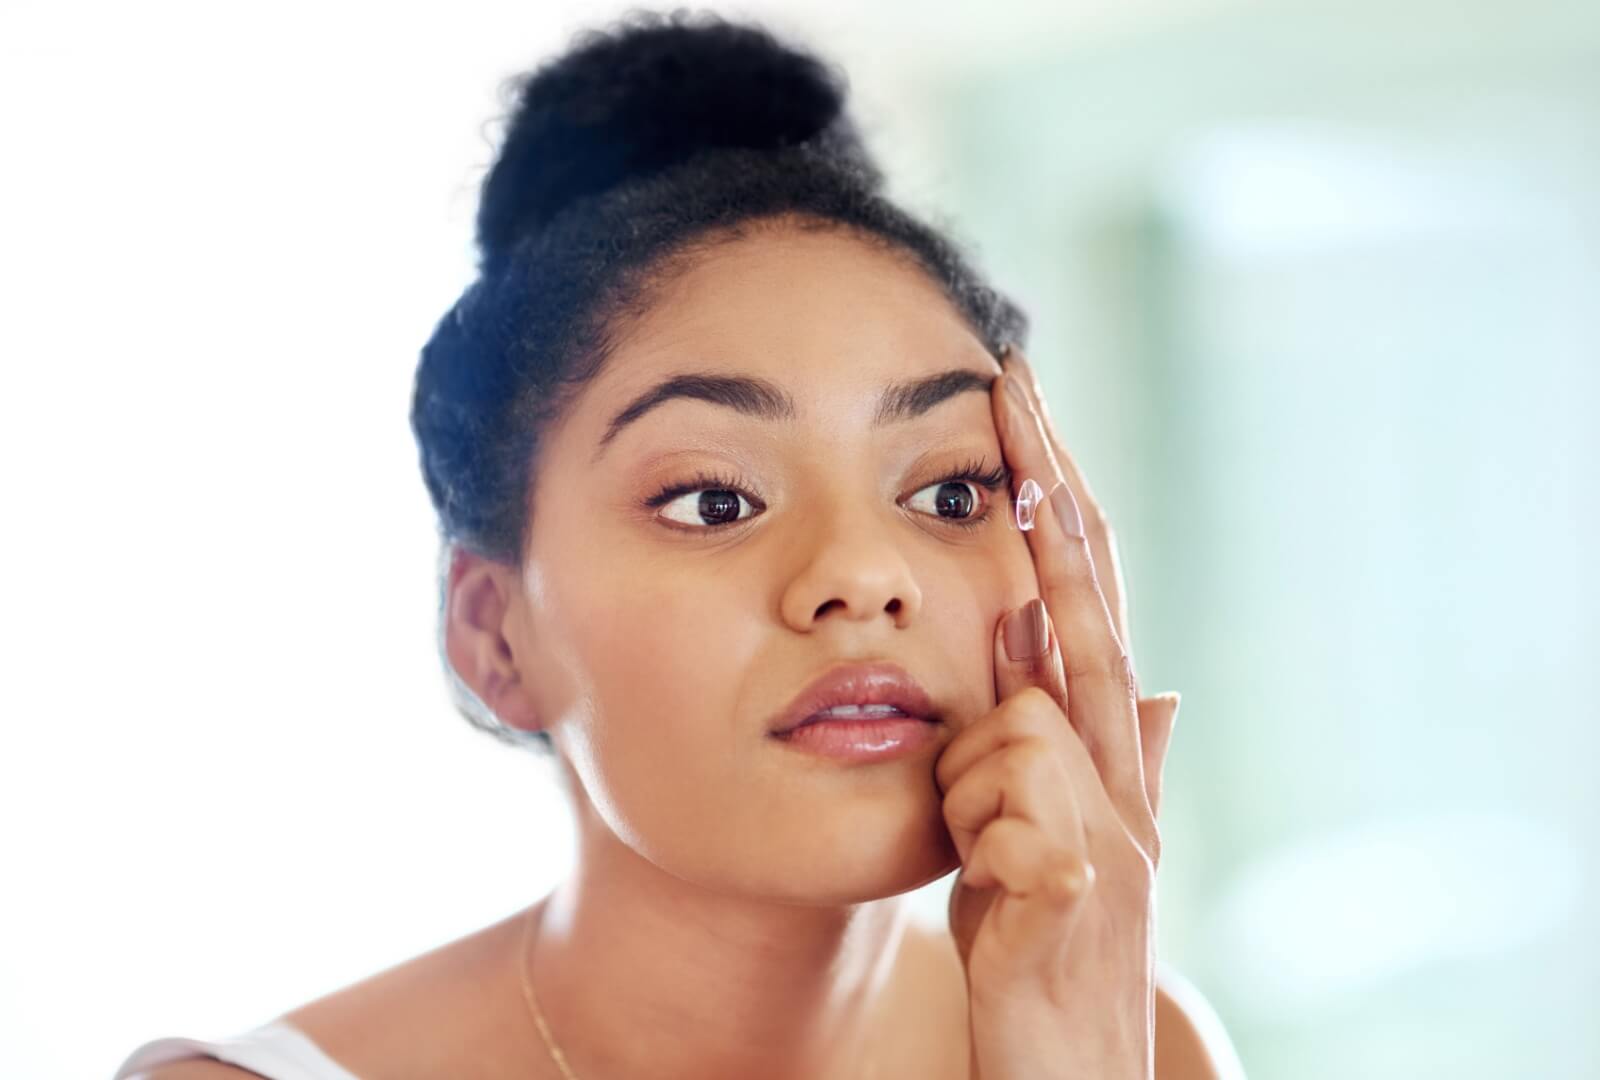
(1315, 292)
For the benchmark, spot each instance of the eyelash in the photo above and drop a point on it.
(975, 471)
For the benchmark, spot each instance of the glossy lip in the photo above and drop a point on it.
(877, 683)
(863, 740)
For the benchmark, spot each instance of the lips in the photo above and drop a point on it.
(877, 683)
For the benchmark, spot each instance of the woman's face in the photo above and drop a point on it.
(656, 642)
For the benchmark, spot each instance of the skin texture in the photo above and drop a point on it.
(727, 885)
(735, 908)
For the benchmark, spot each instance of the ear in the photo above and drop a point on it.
(480, 613)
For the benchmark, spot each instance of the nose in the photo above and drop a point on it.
(854, 568)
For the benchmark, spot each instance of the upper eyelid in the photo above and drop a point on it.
(708, 482)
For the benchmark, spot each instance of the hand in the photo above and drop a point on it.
(1158, 713)
(1051, 800)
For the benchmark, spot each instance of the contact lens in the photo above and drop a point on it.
(1025, 502)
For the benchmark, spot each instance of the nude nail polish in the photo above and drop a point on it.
(1066, 508)
(1026, 633)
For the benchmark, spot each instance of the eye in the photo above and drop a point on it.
(953, 500)
(954, 503)
(718, 499)
(716, 507)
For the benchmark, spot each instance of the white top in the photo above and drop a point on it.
(276, 1051)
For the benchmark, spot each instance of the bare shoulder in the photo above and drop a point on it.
(195, 1070)
(408, 1019)
(1191, 1043)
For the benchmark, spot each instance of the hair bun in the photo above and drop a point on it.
(644, 94)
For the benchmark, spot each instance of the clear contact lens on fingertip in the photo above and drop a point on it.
(1026, 501)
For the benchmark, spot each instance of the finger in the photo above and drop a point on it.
(1101, 691)
(1023, 759)
(1102, 537)
(1027, 779)
(1025, 655)
(1157, 716)
(1016, 855)
(1043, 891)
(1028, 711)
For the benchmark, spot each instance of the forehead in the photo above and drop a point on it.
(818, 312)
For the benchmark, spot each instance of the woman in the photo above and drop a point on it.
(720, 442)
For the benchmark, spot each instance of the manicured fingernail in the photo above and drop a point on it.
(1066, 508)
(1025, 631)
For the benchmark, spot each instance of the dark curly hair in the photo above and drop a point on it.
(643, 146)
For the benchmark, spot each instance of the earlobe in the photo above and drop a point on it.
(478, 615)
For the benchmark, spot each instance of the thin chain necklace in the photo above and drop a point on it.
(533, 1004)
(538, 1015)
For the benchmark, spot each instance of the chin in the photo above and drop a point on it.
(851, 859)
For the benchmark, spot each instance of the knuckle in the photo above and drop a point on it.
(1122, 671)
(1026, 760)
(1112, 665)
(1071, 879)
(964, 806)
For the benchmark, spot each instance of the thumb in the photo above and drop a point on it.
(1026, 654)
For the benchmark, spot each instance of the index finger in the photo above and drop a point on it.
(1102, 538)
(1101, 694)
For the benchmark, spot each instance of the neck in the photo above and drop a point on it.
(640, 973)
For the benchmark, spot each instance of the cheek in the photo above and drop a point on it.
(1016, 580)
(673, 751)
(669, 656)
(966, 603)
(663, 655)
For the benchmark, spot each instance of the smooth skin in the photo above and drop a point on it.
(736, 907)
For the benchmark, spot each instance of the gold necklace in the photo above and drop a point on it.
(533, 1005)
(538, 1015)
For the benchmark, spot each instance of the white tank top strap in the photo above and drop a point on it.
(277, 1051)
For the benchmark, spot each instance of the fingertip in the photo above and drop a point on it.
(1027, 632)
(1156, 718)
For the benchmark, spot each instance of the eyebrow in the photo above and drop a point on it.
(764, 400)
